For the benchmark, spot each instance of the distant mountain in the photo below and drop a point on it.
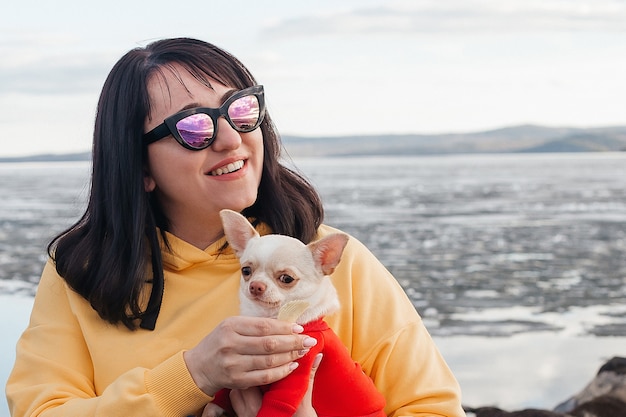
(82, 156)
(524, 138)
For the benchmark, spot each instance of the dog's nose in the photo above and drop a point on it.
(257, 288)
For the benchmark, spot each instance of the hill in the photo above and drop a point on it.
(524, 138)
(64, 157)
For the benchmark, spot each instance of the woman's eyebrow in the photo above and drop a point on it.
(224, 97)
(189, 106)
(228, 93)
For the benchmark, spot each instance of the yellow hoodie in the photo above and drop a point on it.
(72, 363)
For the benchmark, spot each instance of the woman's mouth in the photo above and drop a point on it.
(227, 169)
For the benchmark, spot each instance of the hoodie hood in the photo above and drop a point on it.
(180, 255)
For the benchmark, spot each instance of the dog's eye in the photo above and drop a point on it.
(246, 270)
(285, 279)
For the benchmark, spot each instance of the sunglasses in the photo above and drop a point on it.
(196, 128)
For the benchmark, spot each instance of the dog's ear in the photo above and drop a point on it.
(237, 229)
(327, 251)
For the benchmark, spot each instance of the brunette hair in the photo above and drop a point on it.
(113, 250)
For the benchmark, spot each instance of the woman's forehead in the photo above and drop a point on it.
(174, 88)
(173, 77)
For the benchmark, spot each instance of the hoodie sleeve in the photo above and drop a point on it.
(284, 396)
(384, 333)
(53, 374)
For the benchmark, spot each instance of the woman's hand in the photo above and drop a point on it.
(306, 406)
(247, 402)
(245, 352)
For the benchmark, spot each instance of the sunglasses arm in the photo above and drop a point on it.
(157, 133)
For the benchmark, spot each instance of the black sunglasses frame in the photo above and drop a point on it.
(168, 127)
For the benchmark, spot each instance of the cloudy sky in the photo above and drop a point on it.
(329, 67)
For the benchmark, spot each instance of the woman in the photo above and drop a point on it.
(136, 311)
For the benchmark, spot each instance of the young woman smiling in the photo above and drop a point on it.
(136, 313)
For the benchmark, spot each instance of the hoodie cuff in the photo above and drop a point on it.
(173, 388)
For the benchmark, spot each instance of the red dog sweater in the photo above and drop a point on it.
(341, 389)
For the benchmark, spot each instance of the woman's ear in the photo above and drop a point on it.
(148, 181)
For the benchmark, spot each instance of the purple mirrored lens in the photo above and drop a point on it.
(244, 113)
(196, 130)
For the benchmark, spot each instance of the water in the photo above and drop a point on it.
(39, 200)
(511, 259)
(470, 237)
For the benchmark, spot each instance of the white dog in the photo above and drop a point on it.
(283, 278)
(276, 270)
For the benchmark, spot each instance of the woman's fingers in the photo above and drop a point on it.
(246, 351)
(316, 364)
(246, 402)
(256, 336)
(306, 406)
(255, 326)
(265, 345)
(245, 378)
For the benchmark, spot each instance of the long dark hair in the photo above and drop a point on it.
(113, 251)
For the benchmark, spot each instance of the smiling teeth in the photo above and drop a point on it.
(232, 167)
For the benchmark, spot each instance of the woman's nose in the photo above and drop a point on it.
(227, 138)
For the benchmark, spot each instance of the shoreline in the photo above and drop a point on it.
(529, 370)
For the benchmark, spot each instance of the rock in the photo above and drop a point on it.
(604, 396)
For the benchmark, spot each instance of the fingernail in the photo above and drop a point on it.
(317, 360)
(293, 366)
(297, 328)
(303, 352)
(309, 342)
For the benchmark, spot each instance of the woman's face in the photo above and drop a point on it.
(193, 186)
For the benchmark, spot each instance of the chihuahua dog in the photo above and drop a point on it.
(283, 278)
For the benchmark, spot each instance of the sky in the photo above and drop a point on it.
(329, 67)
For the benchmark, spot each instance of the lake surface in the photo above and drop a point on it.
(514, 259)
(492, 244)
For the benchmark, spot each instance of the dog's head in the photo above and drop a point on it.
(277, 269)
